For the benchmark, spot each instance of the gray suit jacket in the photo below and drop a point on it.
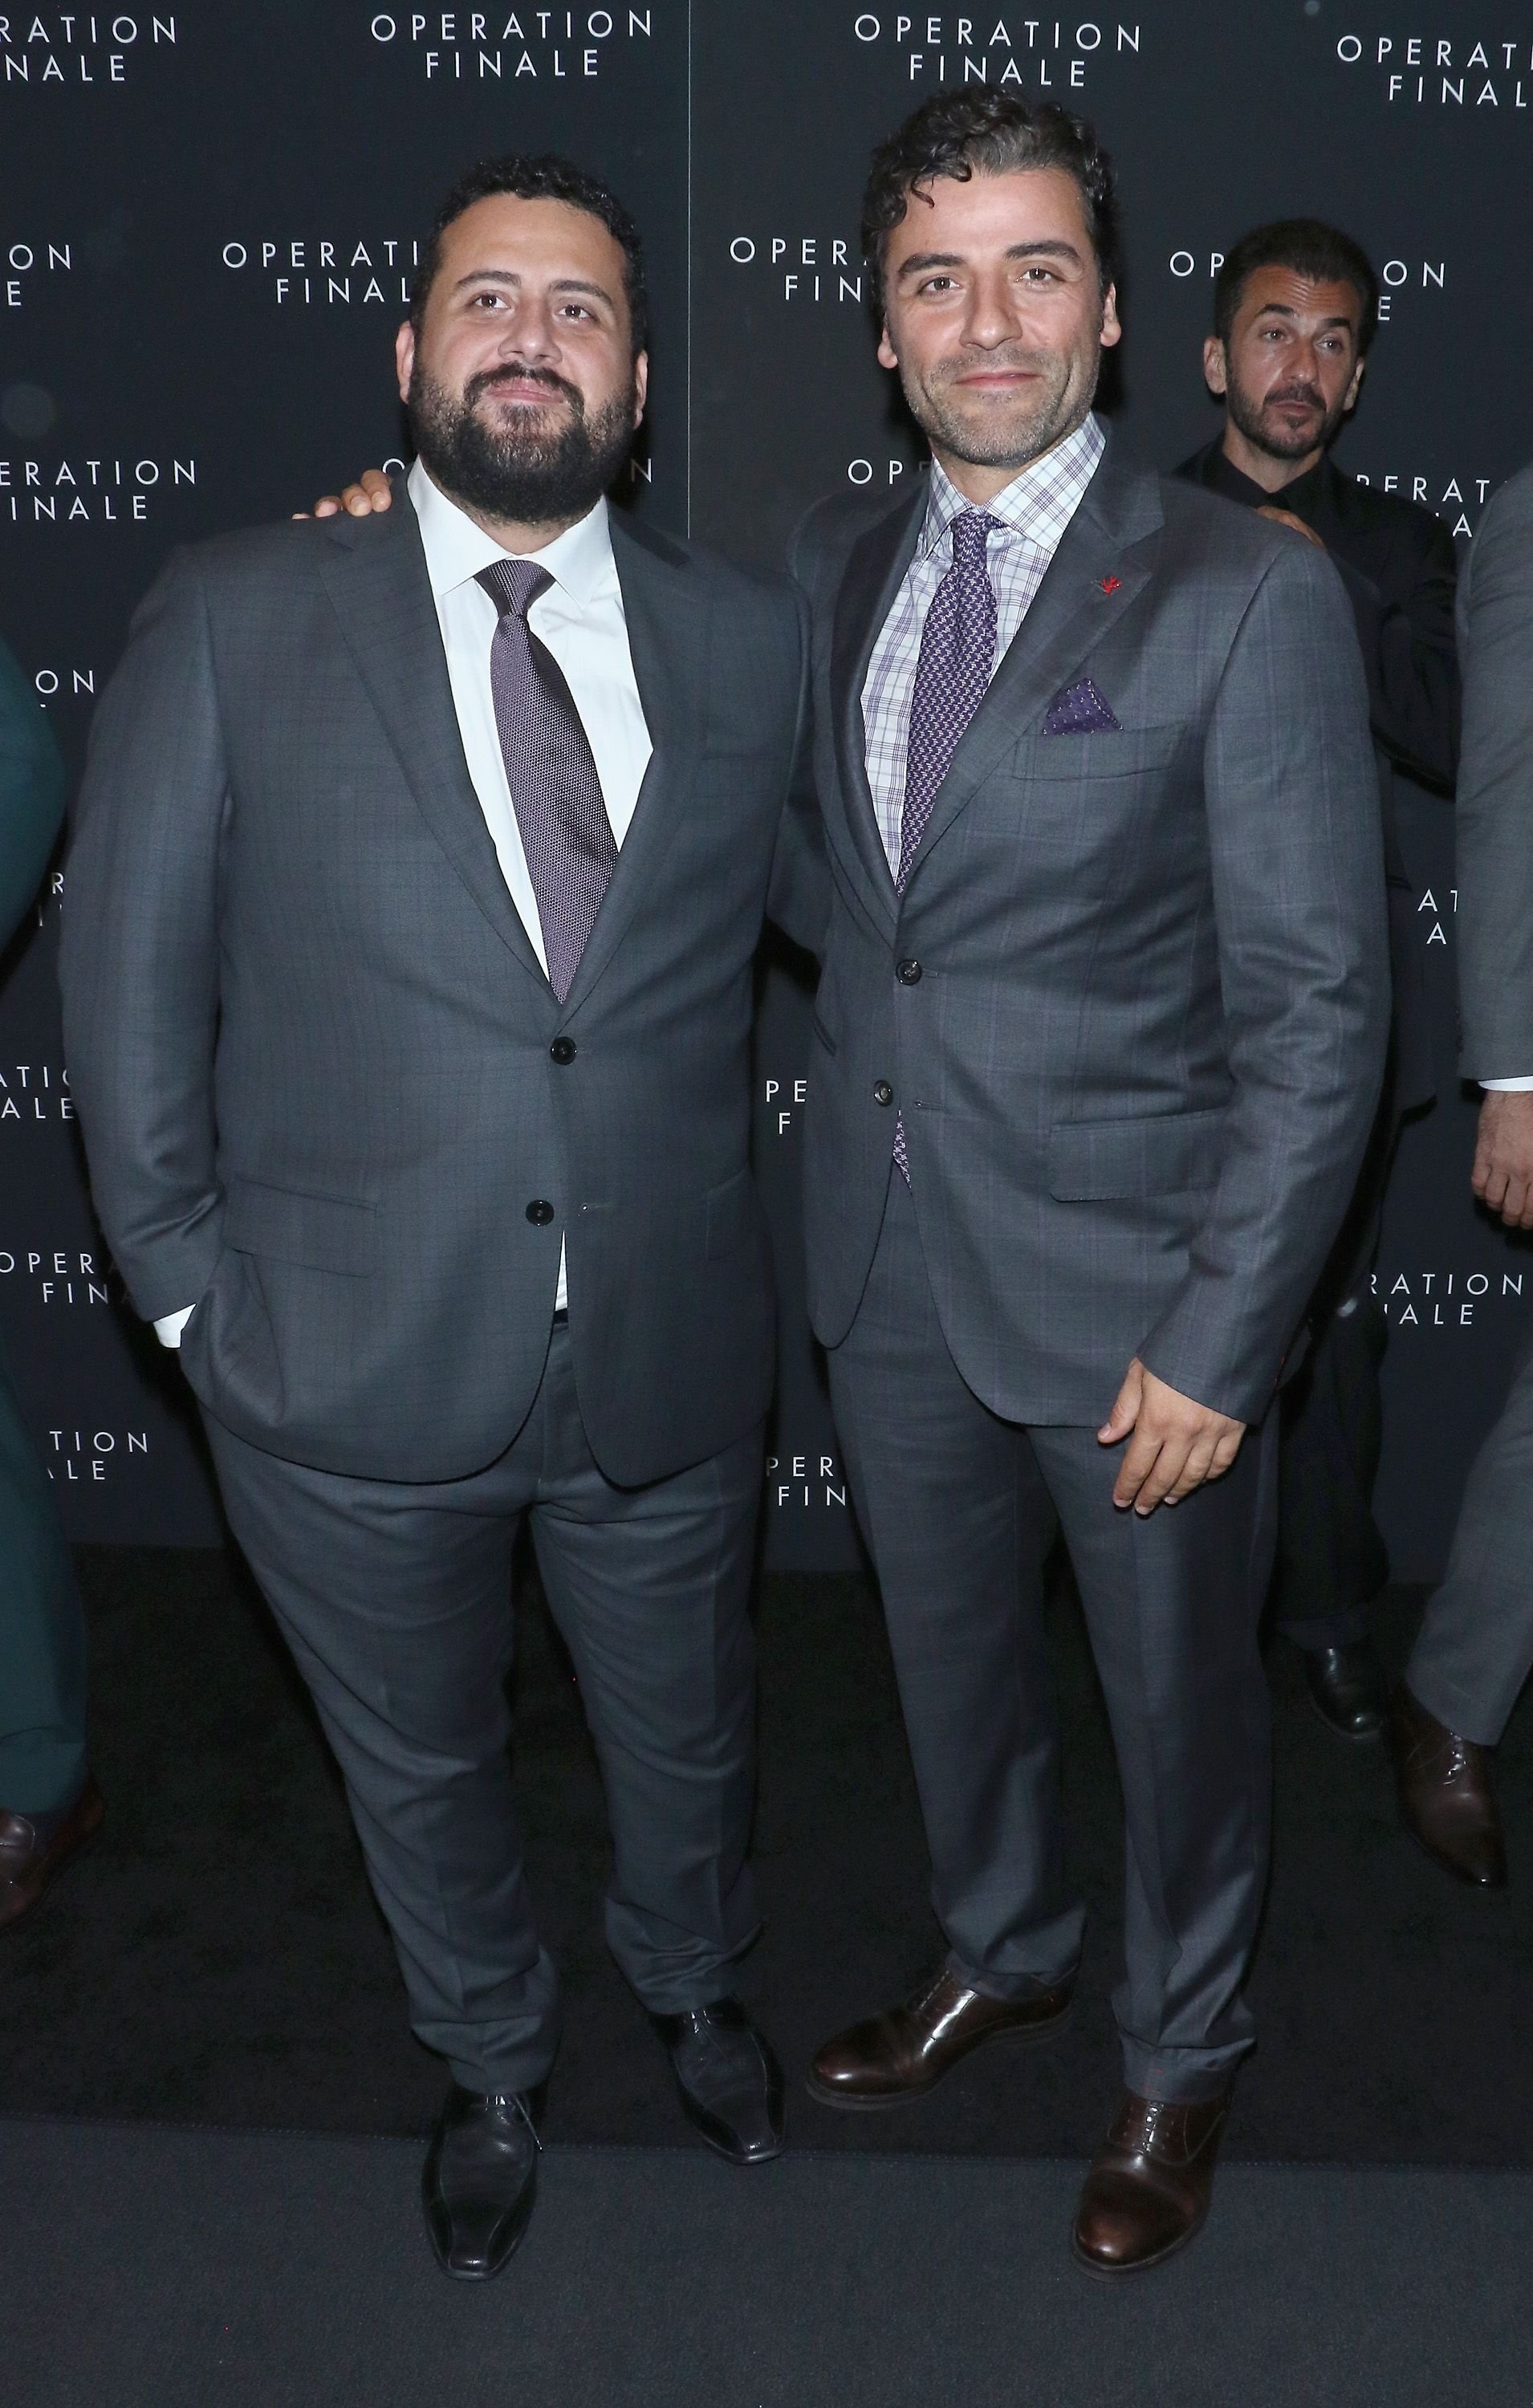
(1138, 1063)
(1494, 837)
(310, 1041)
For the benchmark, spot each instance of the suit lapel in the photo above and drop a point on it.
(667, 640)
(375, 573)
(1071, 612)
(870, 582)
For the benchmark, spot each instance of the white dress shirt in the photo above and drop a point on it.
(580, 620)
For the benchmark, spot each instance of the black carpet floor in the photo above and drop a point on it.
(217, 1958)
(155, 2269)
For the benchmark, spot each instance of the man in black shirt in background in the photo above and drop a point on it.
(1296, 305)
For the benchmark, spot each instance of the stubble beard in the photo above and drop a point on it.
(1015, 436)
(528, 474)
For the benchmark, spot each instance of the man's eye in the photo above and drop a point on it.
(1045, 275)
(485, 301)
(936, 284)
(575, 309)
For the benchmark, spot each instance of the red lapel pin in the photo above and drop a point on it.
(1110, 584)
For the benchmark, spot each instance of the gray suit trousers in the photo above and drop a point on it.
(959, 1508)
(1475, 1646)
(396, 1602)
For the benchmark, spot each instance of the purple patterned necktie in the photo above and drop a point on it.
(556, 791)
(957, 655)
(953, 673)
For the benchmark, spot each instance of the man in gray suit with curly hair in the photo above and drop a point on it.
(1100, 1035)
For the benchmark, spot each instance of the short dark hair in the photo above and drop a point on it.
(546, 178)
(965, 134)
(1310, 247)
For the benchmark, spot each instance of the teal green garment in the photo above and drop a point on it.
(42, 1630)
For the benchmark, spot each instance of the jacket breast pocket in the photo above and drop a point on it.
(1075, 783)
(1100, 752)
(1167, 1154)
(317, 1233)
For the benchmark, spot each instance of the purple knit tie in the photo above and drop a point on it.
(957, 655)
(555, 792)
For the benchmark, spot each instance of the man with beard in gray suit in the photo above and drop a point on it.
(1098, 1038)
(1475, 1647)
(407, 974)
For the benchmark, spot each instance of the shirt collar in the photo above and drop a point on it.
(580, 560)
(1041, 500)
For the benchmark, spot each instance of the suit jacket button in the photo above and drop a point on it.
(563, 1049)
(883, 1091)
(908, 973)
(539, 1212)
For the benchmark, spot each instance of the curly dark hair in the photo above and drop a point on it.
(1311, 248)
(546, 178)
(987, 133)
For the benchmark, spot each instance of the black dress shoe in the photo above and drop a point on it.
(479, 2182)
(1347, 1688)
(731, 2085)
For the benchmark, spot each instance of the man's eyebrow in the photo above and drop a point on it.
(922, 262)
(510, 275)
(1282, 309)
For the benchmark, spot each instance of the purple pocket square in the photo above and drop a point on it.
(1079, 710)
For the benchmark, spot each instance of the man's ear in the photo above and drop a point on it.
(642, 384)
(888, 356)
(1356, 386)
(1112, 331)
(1215, 365)
(404, 357)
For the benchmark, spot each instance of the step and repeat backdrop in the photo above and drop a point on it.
(209, 222)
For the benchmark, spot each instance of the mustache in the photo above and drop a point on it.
(524, 375)
(1305, 392)
(1009, 356)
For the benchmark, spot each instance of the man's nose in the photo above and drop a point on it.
(528, 334)
(994, 316)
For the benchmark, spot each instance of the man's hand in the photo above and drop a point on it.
(1177, 1443)
(373, 493)
(1502, 1176)
(1266, 511)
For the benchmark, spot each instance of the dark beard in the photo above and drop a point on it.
(522, 477)
(1248, 418)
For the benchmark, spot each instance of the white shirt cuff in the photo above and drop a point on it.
(168, 1328)
(1507, 1087)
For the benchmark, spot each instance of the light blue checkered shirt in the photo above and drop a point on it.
(1035, 509)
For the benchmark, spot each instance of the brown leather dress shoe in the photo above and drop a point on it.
(1150, 2183)
(35, 1849)
(1445, 1793)
(905, 2052)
